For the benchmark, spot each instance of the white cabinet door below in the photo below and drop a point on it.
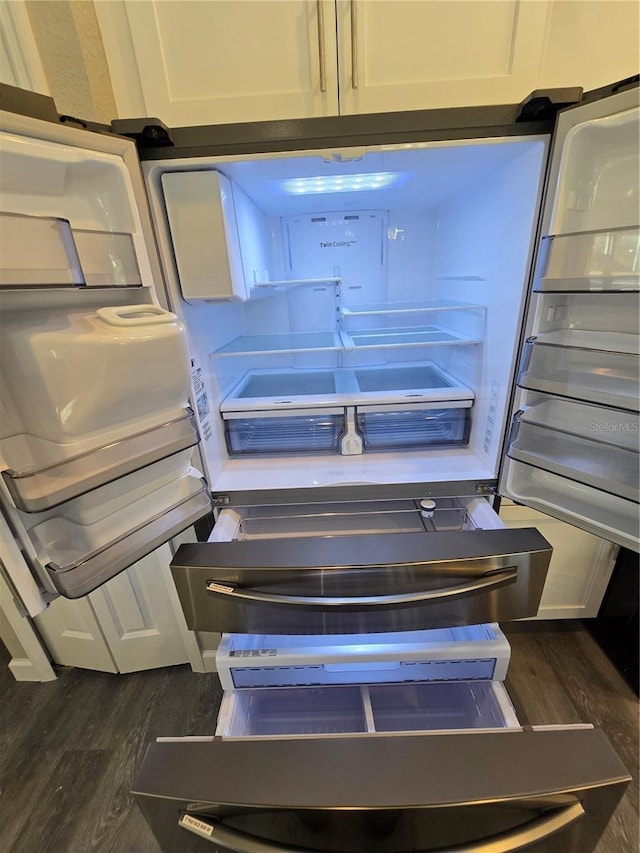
(580, 567)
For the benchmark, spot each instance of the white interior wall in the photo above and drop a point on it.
(483, 256)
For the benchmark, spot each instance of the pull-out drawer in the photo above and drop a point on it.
(360, 582)
(546, 790)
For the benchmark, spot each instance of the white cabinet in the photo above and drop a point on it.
(406, 55)
(224, 61)
(580, 567)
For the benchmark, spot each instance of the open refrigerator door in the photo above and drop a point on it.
(97, 432)
(573, 447)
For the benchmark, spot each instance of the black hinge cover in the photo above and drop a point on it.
(543, 104)
(25, 103)
(146, 132)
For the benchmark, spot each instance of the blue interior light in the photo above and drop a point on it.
(342, 183)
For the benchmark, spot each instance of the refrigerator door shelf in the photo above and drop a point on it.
(595, 367)
(329, 711)
(590, 262)
(43, 251)
(448, 654)
(589, 444)
(42, 474)
(83, 572)
(38, 251)
(353, 583)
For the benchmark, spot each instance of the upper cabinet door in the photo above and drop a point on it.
(403, 55)
(212, 63)
(573, 447)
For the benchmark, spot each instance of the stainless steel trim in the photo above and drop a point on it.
(354, 45)
(361, 583)
(507, 842)
(499, 578)
(321, 50)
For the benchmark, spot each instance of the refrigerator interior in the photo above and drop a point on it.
(95, 429)
(371, 307)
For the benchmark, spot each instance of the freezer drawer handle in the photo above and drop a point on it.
(506, 842)
(489, 581)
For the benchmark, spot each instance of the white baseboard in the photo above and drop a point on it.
(23, 669)
(209, 660)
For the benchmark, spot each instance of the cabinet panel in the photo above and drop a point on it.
(226, 61)
(580, 567)
(137, 618)
(402, 55)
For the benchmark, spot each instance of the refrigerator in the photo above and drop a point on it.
(347, 337)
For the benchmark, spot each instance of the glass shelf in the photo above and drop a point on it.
(282, 343)
(386, 308)
(296, 282)
(405, 337)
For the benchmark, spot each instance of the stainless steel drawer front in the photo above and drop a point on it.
(354, 584)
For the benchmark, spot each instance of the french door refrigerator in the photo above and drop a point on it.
(369, 326)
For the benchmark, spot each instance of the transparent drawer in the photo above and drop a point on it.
(107, 259)
(590, 366)
(317, 711)
(37, 251)
(592, 261)
(290, 432)
(590, 444)
(384, 429)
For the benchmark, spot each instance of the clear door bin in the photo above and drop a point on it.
(287, 432)
(590, 444)
(42, 474)
(74, 375)
(384, 429)
(37, 251)
(82, 546)
(564, 363)
(107, 259)
(594, 261)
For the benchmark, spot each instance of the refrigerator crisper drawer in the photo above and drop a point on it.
(388, 428)
(284, 432)
(361, 583)
(448, 654)
(554, 793)
(313, 711)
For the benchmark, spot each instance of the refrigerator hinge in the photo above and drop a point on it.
(486, 489)
(145, 132)
(543, 104)
(221, 500)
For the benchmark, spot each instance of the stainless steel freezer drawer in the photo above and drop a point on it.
(361, 584)
(546, 790)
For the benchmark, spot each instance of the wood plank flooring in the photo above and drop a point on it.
(69, 750)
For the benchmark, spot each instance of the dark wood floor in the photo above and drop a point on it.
(69, 749)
